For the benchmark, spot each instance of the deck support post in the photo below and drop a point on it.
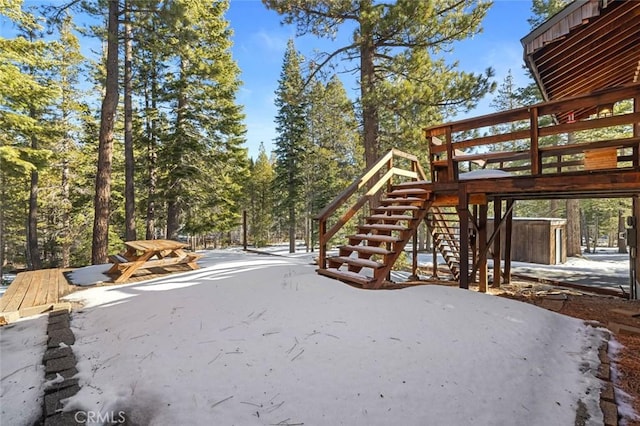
(634, 249)
(508, 232)
(322, 250)
(535, 153)
(497, 244)
(463, 214)
(475, 243)
(414, 257)
(244, 230)
(434, 249)
(636, 133)
(482, 244)
(451, 175)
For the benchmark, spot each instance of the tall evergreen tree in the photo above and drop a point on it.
(261, 200)
(544, 9)
(393, 43)
(129, 161)
(333, 145)
(26, 96)
(290, 128)
(150, 31)
(206, 122)
(100, 241)
(69, 113)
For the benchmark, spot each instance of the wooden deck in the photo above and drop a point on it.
(36, 292)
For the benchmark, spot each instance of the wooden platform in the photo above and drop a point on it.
(34, 292)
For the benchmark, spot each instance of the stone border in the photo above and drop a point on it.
(608, 403)
(607, 392)
(59, 360)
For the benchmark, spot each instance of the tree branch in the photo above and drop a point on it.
(325, 61)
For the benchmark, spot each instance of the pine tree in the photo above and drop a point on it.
(206, 130)
(290, 127)
(149, 32)
(393, 43)
(334, 156)
(261, 200)
(100, 241)
(129, 161)
(68, 114)
(26, 95)
(544, 9)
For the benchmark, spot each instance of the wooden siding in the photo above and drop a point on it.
(559, 26)
(534, 240)
(600, 159)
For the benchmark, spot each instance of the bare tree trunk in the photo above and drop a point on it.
(367, 88)
(66, 216)
(586, 232)
(173, 222)
(573, 228)
(173, 205)
(152, 155)
(292, 229)
(33, 252)
(151, 192)
(129, 165)
(100, 242)
(3, 198)
(32, 224)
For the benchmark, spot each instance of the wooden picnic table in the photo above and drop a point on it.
(145, 254)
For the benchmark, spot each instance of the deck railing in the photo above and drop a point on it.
(393, 164)
(572, 134)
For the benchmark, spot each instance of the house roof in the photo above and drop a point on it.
(587, 46)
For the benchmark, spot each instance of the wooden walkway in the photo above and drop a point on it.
(34, 292)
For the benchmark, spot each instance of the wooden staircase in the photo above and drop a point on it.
(444, 228)
(370, 254)
(444, 225)
(383, 229)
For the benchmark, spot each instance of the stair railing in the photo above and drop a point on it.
(374, 180)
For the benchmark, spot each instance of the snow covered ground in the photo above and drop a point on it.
(254, 339)
(605, 268)
(22, 345)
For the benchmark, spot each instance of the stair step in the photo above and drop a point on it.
(395, 217)
(448, 251)
(364, 263)
(383, 227)
(446, 217)
(404, 200)
(447, 254)
(412, 183)
(408, 191)
(445, 214)
(376, 238)
(347, 276)
(396, 208)
(367, 249)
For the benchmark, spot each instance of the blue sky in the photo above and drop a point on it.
(260, 42)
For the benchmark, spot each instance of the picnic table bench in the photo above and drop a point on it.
(145, 254)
